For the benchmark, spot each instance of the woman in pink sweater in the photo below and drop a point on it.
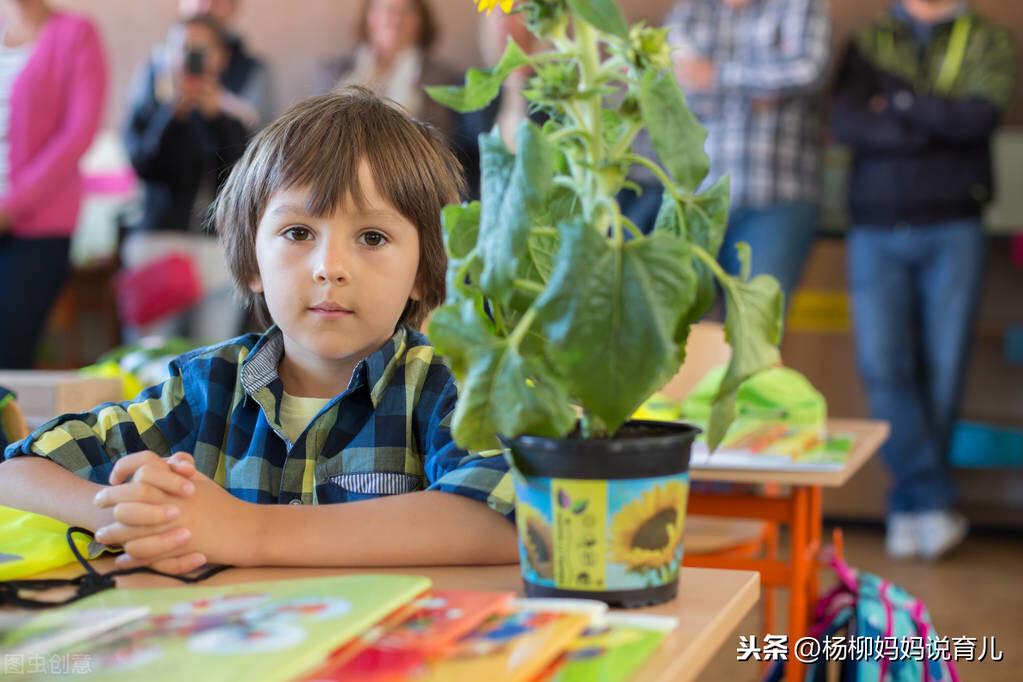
(53, 79)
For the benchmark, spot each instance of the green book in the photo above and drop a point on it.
(254, 631)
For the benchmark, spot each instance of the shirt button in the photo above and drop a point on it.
(296, 501)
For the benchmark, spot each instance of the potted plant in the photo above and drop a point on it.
(562, 317)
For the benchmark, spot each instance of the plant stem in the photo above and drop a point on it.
(522, 328)
(666, 181)
(592, 426)
(529, 286)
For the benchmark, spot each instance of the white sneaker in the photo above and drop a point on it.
(939, 532)
(901, 539)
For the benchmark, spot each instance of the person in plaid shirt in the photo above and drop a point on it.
(751, 71)
(331, 227)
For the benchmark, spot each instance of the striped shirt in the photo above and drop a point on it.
(12, 61)
(389, 432)
(761, 116)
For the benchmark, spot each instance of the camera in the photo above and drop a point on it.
(195, 61)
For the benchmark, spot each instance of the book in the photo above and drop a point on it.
(428, 627)
(759, 444)
(611, 650)
(514, 646)
(27, 634)
(255, 631)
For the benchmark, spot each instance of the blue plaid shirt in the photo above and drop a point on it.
(761, 116)
(388, 433)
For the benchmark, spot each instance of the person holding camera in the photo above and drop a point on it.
(182, 138)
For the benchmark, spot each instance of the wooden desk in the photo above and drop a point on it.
(799, 507)
(710, 604)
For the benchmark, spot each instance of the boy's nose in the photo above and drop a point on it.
(331, 267)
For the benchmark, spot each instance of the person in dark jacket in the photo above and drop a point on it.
(919, 94)
(245, 77)
(180, 141)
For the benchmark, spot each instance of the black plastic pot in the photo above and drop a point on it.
(603, 519)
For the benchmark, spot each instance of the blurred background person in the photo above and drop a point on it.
(394, 59)
(182, 143)
(510, 106)
(246, 80)
(752, 71)
(919, 95)
(53, 80)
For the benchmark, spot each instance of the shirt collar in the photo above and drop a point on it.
(259, 369)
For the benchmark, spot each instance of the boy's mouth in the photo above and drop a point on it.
(331, 309)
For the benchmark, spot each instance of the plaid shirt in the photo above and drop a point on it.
(761, 116)
(388, 433)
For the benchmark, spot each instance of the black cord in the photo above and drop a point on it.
(89, 583)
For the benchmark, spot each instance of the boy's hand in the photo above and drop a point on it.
(212, 525)
(143, 495)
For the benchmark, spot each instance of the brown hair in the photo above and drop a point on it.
(427, 24)
(319, 143)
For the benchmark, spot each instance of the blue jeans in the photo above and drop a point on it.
(642, 209)
(914, 290)
(780, 237)
(32, 274)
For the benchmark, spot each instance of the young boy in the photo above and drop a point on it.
(331, 225)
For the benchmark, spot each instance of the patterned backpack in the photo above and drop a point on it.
(877, 632)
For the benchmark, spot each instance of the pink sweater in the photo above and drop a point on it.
(56, 106)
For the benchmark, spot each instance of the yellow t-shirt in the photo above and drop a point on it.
(297, 412)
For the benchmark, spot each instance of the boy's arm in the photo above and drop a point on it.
(39, 485)
(159, 420)
(427, 528)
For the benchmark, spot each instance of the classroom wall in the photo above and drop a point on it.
(295, 36)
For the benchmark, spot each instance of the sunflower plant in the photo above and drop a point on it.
(561, 314)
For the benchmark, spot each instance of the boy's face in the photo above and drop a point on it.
(336, 285)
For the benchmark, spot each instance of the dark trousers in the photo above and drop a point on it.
(32, 273)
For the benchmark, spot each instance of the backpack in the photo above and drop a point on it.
(878, 632)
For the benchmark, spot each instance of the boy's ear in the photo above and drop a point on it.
(256, 284)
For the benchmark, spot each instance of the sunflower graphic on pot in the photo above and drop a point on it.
(646, 534)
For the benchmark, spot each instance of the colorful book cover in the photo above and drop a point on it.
(256, 631)
(758, 444)
(516, 646)
(428, 627)
(611, 650)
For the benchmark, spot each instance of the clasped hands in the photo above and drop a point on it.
(170, 517)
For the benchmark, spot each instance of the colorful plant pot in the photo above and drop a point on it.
(603, 519)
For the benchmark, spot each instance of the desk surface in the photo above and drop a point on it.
(868, 437)
(710, 605)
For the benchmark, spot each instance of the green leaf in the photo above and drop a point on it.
(610, 314)
(603, 15)
(458, 332)
(703, 223)
(514, 190)
(675, 133)
(461, 228)
(481, 85)
(510, 394)
(753, 326)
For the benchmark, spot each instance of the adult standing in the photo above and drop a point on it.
(246, 80)
(752, 70)
(393, 59)
(53, 79)
(919, 94)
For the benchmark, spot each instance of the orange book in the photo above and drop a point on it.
(517, 646)
(428, 627)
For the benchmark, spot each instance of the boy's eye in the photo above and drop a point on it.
(373, 238)
(298, 234)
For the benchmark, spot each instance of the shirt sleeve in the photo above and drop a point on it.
(482, 476)
(800, 62)
(88, 444)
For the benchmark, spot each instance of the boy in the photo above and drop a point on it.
(331, 225)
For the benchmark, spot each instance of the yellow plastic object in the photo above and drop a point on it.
(132, 386)
(32, 543)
